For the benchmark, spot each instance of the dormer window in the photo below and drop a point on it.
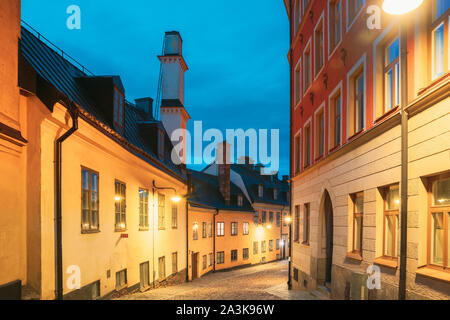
(260, 191)
(275, 194)
(240, 201)
(119, 114)
(160, 143)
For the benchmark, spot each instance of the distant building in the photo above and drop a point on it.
(346, 149)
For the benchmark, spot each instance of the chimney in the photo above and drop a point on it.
(223, 163)
(146, 105)
(173, 68)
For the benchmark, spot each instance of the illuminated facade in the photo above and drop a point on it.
(346, 148)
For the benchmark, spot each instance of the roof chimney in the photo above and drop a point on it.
(146, 105)
(223, 163)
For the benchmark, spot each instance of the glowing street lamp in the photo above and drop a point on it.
(288, 220)
(398, 7)
(269, 227)
(176, 199)
(401, 7)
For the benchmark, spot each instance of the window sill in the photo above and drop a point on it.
(334, 148)
(386, 114)
(433, 273)
(120, 230)
(90, 231)
(306, 244)
(144, 229)
(353, 136)
(354, 256)
(387, 262)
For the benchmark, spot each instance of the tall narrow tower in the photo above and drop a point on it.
(173, 114)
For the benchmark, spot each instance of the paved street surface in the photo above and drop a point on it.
(262, 282)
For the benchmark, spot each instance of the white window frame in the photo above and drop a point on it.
(311, 132)
(311, 67)
(330, 54)
(361, 62)
(321, 20)
(349, 23)
(318, 110)
(298, 99)
(333, 93)
(298, 135)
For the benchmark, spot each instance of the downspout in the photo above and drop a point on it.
(214, 239)
(153, 241)
(187, 226)
(58, 181)
(290, 141)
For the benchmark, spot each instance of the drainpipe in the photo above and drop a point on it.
(58, 181)
(187, 226)
(404, 161)
(214, 239)
(290, 141)
(153, 240)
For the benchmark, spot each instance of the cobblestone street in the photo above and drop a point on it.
(263, 282)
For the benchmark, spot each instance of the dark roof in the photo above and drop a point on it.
(207, 194)
(70, 82)
(251, 175)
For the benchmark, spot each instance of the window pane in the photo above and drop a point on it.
(441, 7)
(439, 50)
(437, 239)
(359, 203)
(441, 192)
(393, 51)
(357, 233)
(389, 89)
(393, 198)
(389, 236)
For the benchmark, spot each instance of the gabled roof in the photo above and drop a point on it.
(54, 71)
(207, 194)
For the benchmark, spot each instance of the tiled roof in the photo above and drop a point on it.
(64, 76)
(207, 194)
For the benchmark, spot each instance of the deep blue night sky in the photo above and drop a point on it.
(236, 51)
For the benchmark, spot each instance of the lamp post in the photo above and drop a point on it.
(289, 222)
(402, 7)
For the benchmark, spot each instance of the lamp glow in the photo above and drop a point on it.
(269, 227)
(176, 199)
(288, 219)
(398, 7)
(117, 198)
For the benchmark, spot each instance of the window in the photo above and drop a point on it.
(161, 211)
(256, 218)
(234, 255)
(297, 146)
(120, 206)
(143, 209)
(306, 224)
(335, 119)
(439, 208)
(220, 229)
(284, 219)
(297, 224)
(275, 194)
(261, 191)
(319, 48)
(160, 143)
(121, 279)
(271, 217)
(210, 230)
(298, 15)
(240, 201)
(174, 262)
(255, 247)
(307, 145)
(220, 257)
(358, 211)
(296, 274)
(392, 75)
(234, 228)
(354, 6)
(263, 246)
(270, 245)
(439, 29)
(298, 82)
(210, 259)
(278, 244)
(144, 271)
(204, 262)
(307, 68)
(245, 253)
(174, 216)
(356, 102)
(391, 199)
(89, 200)
(278, 219)
(119, 114)
(162, 268)
(264, 217)
(335, 23)
(305, 5)
(195, 231)
(204, 231)
(320, 134)
(245, 228)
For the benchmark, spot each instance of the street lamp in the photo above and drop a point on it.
(401, 7)
(289, 222)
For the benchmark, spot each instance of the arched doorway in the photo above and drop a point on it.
(325, 261)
